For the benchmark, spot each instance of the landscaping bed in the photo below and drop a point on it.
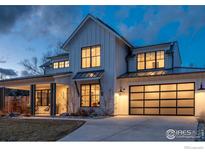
(36, 129)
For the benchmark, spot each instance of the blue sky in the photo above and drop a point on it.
(29, 31)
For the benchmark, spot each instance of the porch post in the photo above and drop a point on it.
(53, 99)
(2, 98)
(33, 98)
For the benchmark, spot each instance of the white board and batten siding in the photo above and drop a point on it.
(90, 34)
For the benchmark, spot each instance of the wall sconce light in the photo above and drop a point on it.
(121, 90)
(201, 87)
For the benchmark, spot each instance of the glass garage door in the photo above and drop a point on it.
(163, 99)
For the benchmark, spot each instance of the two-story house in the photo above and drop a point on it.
(101, 72)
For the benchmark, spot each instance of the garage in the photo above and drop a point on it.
(162, 99)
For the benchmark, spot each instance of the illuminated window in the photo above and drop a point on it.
(160, 59)
(95, 58)
(150, 60)
(90, 57)
(85, 57)
(55, 65)
(67, 63)
(141, 61)
(61, 64)
(90, 95)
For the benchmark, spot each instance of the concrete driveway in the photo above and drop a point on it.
(132, 128)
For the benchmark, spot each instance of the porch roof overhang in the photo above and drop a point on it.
(86, 76)
(37, 79)
(161, 75)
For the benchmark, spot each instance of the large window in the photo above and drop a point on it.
(61, 64)
(90, 95)
(90, 57)
(150, 60)
(163, 99)
(141, 61)
(42, 97)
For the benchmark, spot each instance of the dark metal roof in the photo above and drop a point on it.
(53, 58)
(153, 45)
(175, 71)
(89, 75)
(34, 77)
(62, 55)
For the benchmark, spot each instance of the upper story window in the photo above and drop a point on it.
(90, 57)
(61, 64)
(150, 60)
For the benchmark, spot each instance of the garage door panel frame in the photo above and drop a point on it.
(162, 99)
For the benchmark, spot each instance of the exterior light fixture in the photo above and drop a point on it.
(201, 87)
(121, 90)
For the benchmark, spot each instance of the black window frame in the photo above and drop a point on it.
(90, 48)
(145, 61)
(90, 94)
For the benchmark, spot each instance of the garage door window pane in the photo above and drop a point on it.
(136, 104)
(186, 103)
(136, 111)
(137, 96)
(151, 110)
(168, 95)
(168, 87)
(151, 95)
(168, 103)
(152, 88)
(186, 86)
(168, 111)
(151, 103)
(185, 111)
(186, 94)
(137, 89)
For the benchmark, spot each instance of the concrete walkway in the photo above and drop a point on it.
(132, 128)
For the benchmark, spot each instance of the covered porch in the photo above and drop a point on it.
(35, 96)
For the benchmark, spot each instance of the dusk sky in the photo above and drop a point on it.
(28, 31)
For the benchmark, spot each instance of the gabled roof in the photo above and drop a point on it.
(100, 22)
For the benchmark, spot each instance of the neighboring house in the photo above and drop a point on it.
(102, 72)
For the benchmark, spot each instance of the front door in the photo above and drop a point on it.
(42, 106)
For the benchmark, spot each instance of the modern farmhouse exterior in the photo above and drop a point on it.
(102, 73)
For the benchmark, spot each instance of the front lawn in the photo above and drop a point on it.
(36, 129)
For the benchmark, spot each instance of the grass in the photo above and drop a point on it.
(36, 129)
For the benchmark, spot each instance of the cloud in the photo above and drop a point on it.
(188, 19)
(7, 72)
(2, 59)
(9, 15)
(50, 22)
